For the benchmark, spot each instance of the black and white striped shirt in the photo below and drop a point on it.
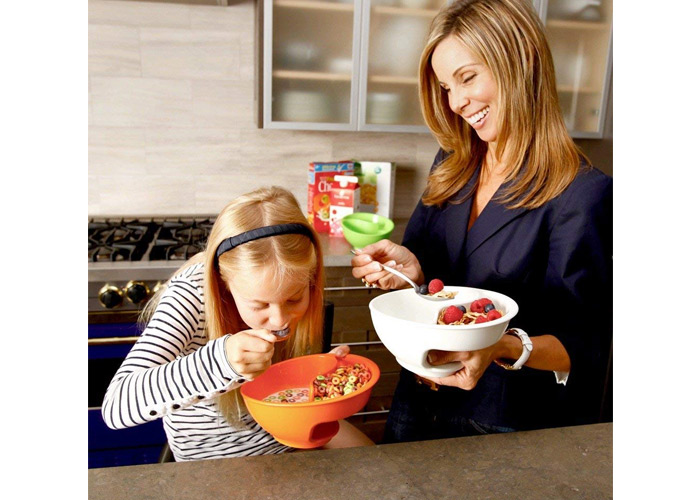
(174, 372)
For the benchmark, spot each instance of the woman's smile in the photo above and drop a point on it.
(477, 119)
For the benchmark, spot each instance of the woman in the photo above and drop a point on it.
(512, 206)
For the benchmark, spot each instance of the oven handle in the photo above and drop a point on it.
(113, 341)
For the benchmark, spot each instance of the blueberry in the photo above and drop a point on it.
(489, 307)
(462, 308)
(423, 290)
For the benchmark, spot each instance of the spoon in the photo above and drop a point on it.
(408, 280)
(281, 334)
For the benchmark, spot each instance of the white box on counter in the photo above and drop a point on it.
(377, 181)
(345, 200)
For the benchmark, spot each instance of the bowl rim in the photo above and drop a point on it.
(388, 224)
(373, 367)
(473, 326)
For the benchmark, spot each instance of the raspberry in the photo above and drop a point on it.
(493, 314)
(452, 315)
(481, 319)
(476, 306)
(484, 302)
(435, 286)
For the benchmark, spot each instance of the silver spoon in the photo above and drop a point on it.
(408, 280)
(281, 334)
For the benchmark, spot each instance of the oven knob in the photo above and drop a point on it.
(110, 296)
(137, 291)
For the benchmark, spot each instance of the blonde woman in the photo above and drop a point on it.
(254, 297)
(512, 206)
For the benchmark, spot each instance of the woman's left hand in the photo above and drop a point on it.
(340, 351)
(474, 364)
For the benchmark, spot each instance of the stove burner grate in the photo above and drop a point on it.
(180, 239)
(118, 240)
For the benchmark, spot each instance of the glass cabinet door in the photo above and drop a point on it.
(310, 49)
(394, 35)
(580, 36)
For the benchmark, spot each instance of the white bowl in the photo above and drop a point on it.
(302, 105)
(407, 326)
(383, 107)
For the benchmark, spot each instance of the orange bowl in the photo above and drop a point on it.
(310, 424)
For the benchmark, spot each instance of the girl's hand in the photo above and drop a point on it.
(365, 265)
(474, 364)
(340, 351)
(250, 352)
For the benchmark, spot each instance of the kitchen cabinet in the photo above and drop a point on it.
(344, 64)
(352, 64)
(580, 36)
(352, 326)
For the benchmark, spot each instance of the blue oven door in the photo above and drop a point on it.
(108, 345)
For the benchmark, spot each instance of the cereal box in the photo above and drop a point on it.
(377, 180)
(345, 199)
(318, 201)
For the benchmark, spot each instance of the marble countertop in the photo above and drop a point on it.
(568, 462)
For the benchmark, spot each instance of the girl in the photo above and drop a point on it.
(252, 298)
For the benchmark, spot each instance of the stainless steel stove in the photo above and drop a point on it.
(128, 258)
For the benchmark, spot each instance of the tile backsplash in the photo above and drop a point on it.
(172, 125)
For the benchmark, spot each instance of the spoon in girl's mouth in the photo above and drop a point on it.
(281, 334)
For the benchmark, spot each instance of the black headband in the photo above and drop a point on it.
(261, 232)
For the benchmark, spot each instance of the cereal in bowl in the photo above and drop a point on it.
(478, 311)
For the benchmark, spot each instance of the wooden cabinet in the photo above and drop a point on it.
(352, 325)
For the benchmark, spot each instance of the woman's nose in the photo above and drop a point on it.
(458, 101)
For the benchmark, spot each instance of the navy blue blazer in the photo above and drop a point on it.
(556, 263)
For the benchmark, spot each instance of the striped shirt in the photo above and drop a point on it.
(175, 373)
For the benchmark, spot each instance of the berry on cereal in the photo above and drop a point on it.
(452, 315)
(493, 314)
(435, 286)
(423, 289)
(476, 306)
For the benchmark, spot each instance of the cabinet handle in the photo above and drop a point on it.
(371, 342)
(113, 341)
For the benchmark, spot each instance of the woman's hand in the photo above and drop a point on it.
(250, 352)
(474, 364)
(366, 266)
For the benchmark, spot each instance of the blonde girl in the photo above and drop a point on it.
(252, 298)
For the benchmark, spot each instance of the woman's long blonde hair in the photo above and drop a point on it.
(293, 257)
(508, 37)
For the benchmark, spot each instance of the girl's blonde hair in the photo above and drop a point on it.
(508, 37)
(293, 257)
